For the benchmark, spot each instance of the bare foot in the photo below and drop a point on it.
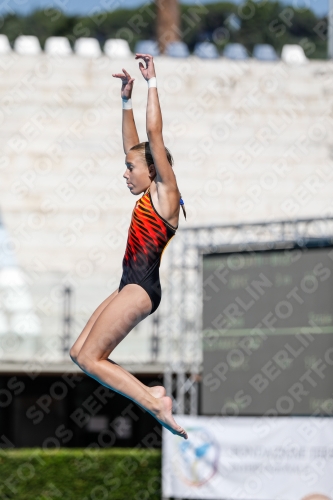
(164, 416)
(158, 391)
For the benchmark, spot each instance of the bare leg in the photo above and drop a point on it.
(76, 347)
(157, 391)
(125, 311)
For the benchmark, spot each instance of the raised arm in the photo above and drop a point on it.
(130, 134)
(154, 125)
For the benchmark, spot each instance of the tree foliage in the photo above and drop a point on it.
(259, 22)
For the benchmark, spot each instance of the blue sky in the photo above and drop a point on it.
(84, 7)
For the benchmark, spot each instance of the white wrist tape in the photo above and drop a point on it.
(127, 103)
(152, 82)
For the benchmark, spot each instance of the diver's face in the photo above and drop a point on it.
(137, 174)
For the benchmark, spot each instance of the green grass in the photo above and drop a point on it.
(80, 474)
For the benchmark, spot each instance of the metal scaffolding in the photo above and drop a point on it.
(181, 319)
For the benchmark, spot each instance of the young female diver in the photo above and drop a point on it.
(154, 222)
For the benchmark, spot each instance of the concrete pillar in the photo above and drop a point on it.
(168, 22)
(330, 30)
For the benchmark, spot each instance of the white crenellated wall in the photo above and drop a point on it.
(251, 141)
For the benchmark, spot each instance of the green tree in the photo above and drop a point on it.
(260, 22)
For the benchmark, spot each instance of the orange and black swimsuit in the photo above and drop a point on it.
(148, 235)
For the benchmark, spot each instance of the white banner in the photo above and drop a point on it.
(250, 458)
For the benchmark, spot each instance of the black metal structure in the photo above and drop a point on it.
(67, 320)
(181, 321)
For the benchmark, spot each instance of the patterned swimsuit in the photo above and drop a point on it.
(148, 236)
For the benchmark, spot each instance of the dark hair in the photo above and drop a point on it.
(144, 150)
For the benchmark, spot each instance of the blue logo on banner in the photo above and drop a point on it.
(198, 457)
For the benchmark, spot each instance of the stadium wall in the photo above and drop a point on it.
(251, 141)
